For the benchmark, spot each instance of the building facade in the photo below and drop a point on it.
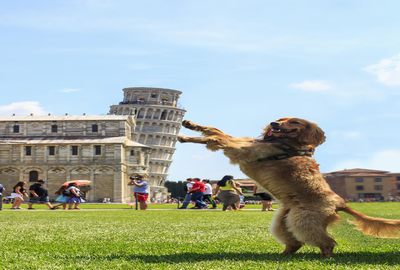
(64, 148)
(353, 184)
(158, 121)
(364, 184)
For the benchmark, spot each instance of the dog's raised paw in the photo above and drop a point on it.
(181, 139)
(189, 124)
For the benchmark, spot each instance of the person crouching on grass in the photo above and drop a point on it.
(197, 191)
(140, 190)
(38, 194)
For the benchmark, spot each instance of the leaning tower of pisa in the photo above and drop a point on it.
(158, 121)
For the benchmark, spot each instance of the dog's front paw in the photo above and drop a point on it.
(181, 139)
(189, 124)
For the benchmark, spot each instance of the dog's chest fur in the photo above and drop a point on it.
(289, 180)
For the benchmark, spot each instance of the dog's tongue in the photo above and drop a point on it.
(269, 132)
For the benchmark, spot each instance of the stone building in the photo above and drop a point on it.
(158, 119)
(354, 184)
(364, 184)
(63, 148)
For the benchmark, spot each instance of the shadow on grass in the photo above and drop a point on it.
(387, 258)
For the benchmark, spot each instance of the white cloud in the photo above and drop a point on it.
(387, 70)
(312, 86)
(69, 90)
(22, 108)
(388, 160)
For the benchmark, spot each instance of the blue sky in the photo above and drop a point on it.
(239, 64)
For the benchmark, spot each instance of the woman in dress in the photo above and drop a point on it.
(18, 194)
(74, 195)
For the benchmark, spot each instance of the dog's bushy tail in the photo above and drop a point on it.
(378, 227)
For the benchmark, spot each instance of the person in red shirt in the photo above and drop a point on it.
(197, 192)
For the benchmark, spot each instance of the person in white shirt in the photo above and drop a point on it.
(188, 196)
(207, 196)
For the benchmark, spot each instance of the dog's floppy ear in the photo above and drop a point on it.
(312, 135)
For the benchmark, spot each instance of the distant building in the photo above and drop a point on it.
(364, 184)
(158, 119)
(63, 148)
(353, 184)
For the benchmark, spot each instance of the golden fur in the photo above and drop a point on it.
(308, 204)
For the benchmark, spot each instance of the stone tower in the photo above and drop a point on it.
(158, 121)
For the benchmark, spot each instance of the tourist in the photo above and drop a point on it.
(188, 197)
(38, 194)
(62, 199)
(266, 199)
(140, 190)
(74, 194)
(241, 203)
(207, 196)
(228, 192)
(1, 196)
(18, 194)
(197, 192)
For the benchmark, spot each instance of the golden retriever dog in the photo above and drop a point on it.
(281, 161)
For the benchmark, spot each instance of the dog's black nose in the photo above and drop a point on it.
(274, 124)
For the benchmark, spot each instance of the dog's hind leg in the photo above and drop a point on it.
(310, 227)
(280, 230)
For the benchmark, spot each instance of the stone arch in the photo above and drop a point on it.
(32, 174)
(103, 182)
(164, 115)
(142, 138)
(56, 176)
(157, 140)
(149, 113)
(9, 177)
(80, 173)
(140, 114)
(170, 115)
(104, 170)
(9, 170)
(157, 114)
(154, 127)
(167, 128)
(127, 110)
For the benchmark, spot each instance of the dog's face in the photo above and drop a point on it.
(298, 130)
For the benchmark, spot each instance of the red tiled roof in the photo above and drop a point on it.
(359, 171)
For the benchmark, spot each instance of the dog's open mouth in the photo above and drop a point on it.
(280, 130)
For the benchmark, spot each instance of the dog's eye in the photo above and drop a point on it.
(295, 122)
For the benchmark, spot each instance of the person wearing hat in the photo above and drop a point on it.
(228, 192)
(140, 190)
(38, 194)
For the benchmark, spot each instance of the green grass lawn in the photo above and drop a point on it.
(116, 237)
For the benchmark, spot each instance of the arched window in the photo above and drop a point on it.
(164, 115)
(33, 176)
(140, 114)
